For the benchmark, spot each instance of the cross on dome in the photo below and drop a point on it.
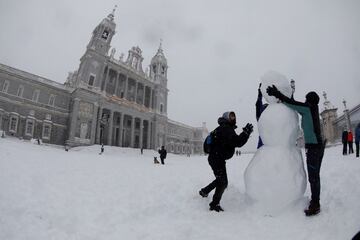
(112, 14)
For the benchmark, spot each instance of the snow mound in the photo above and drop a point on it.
(275, 178)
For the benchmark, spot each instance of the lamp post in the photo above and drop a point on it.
(292, 85)
(103, 122)
(347, 116)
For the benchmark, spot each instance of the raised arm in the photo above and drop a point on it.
(300, 107)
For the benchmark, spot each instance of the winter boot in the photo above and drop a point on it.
(313, 209)
(203, 194)
(216, 208)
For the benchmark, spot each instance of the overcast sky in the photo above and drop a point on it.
(216, 50)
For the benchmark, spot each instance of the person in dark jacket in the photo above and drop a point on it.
(314, 145)
(162, 153)
(357, 139)
(350, 140)
(260, 107)
(344, 139)
(226, 140)
(102, 149)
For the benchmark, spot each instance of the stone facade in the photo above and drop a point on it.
(33, 107)
(106, 100)
(348, 120)
(333, 125)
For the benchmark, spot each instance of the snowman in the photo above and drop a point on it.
(275, 177)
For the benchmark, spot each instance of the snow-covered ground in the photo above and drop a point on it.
(47, 193)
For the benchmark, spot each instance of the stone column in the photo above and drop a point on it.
(132, 132)
(94, 123)
(143, 97)
(126, 87)
(151, 99)
(111, 123)
(117, 85)
(74, 117)
(98, 128)
(148, 135)
(106, 79)
(136, 90)
(121, 127)
(141, 133)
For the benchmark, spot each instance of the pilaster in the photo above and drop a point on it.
(110, 130)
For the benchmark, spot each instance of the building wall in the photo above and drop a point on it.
(105, 101)
(74, 108)
(339, 123)
(183, 139)
(26, 107)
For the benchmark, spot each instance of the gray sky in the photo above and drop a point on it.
(216, 50)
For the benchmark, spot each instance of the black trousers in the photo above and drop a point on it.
(162, 160)
(357, 148)
(351, 150)
(314, 156)
(344, 148)
(220, 183)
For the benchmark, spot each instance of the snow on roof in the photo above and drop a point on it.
(34, 77)
(182, 124)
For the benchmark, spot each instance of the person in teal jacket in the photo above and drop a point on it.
(310, 123)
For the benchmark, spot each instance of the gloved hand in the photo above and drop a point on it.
(248, 129)
(259, 91)
(273, 91)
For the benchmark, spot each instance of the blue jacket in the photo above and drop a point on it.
(357, 133)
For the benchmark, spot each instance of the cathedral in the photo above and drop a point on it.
(105, 101)
(333, 125)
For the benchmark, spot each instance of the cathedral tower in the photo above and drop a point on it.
(328, 116)
(92, 63)
(158, 73)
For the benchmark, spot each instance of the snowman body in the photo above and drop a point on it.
(275, 177)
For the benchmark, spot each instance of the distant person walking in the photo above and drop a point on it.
(344, 139)
(162, 153)
(102, 149)
(357, 139)
(350, 142)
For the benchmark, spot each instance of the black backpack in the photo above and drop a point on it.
(209, 142)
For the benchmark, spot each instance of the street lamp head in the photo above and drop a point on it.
(292, 84)
(344, 102)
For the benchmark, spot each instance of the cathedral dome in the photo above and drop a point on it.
(159, 57)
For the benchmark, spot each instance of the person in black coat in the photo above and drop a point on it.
(344, 139)
(223, 148)
(310, 123)
(162, 153)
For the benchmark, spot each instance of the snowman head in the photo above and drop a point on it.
(280, 81)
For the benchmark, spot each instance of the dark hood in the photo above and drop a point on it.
(223, 121)
(312, 98)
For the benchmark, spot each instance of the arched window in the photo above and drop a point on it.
(91, 80)
(20, 91)
(6, 86)
(35, 96)
(52, 100)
